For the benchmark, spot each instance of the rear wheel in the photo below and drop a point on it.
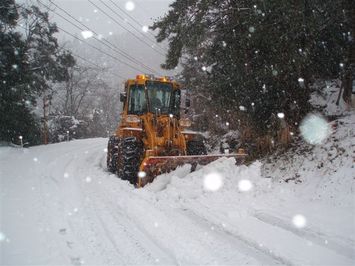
(130, 151)
(196, 147)
(112, 153)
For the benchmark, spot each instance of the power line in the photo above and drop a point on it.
(137, 37)
(137, 22)
(96, 65)
(120, 51)
(139, 31)
(117, 49)
(82, 58)
(94, 47)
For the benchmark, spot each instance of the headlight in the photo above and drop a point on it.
(132, 119)
(185, 122)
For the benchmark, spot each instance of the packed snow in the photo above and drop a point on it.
(59, 205)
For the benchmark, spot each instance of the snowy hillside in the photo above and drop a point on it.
(59, 205)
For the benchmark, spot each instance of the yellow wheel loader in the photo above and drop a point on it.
(151, 137)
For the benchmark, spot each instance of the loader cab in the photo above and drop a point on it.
(158, 96)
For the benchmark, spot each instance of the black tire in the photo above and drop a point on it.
(130, 151)
(112, 153)
(196, 147)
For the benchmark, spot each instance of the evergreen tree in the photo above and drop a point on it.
(16, 118)
(256, 58)
(30, 61)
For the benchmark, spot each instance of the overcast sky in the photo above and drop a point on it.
(111, 25)
(144, 11)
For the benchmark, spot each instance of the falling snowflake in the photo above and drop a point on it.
(88, 179)
(213, 181)
(35, 159)
(281, 115)
(245, 185)
(251, 29)
(142, 174)
(105, 150)
(2, 236)
(66, 175)
(86, 34)
(314, 129)
(299, 221)
(130, 6)
(204, 68)
(242, 108)
(145, 28)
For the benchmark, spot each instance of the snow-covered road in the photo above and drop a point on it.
(59, 205)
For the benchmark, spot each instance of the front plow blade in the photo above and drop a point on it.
(156, 165)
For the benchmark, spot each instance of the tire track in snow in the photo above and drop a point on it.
(247, 246)
(122, 229)
(307, 233)
(140, 234)
(92, 238)
(49, 199)
(210, 243)
(118, 214)
(83, 227)
(296, 250)
(222, 236)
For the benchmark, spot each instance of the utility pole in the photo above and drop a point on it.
(21, 141)
(349, 69)
(45, 119)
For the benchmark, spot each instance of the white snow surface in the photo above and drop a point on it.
(60, 206)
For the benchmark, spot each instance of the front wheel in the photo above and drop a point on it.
(130, 152)
(112, 152)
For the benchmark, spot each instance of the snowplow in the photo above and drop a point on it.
(152, 137)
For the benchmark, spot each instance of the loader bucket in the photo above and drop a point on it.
(155, 165)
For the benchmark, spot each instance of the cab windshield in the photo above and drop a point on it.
(160, 97)
(137, 104)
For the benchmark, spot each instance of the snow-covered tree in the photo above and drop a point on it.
(30, 61)
(256, 58)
